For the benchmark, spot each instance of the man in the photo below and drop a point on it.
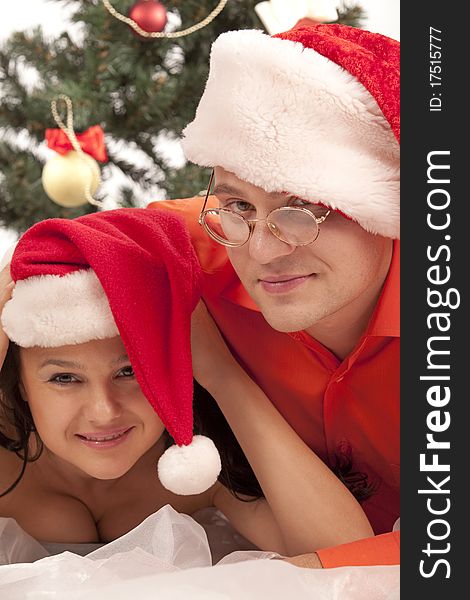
(299, 245)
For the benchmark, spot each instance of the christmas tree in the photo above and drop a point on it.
(141, 91)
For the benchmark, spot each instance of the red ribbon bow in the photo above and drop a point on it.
(91, 141)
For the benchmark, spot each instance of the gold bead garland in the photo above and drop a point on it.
(162, 34)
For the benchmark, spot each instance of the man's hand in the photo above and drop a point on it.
(6, 289)
(306, 561)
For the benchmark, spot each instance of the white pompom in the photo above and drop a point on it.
(191, 469)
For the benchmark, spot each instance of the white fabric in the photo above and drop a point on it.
(287, 119)
(51, 311)
(168, 556)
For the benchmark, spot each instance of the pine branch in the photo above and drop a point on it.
(137, 90)
(22, 199)
(351, 14)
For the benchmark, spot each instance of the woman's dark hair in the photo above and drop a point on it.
(236, 474)
(16, 421)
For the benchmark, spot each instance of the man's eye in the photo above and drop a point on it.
(126, 372)
(317, 210)
(63, 378)
(239, 206)
(300, 202)
(296, 201)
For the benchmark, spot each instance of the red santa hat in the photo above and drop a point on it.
(313, 111)
(128, 272)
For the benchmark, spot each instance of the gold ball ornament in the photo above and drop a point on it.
(65, 178)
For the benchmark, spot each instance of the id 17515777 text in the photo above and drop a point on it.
(435, 69)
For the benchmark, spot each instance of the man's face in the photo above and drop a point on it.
(337, 277)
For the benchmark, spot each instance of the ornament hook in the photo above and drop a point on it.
(70, 133)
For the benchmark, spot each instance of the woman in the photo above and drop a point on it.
(87, 420)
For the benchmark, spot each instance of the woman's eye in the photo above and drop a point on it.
(63, 378)
(126, 372)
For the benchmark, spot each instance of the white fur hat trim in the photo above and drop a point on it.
(287, 119)
(190, 469)
(53, 310)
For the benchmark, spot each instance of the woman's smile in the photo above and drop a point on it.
(101, 440)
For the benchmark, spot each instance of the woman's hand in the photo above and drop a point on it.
(6, 289)
(212, 360)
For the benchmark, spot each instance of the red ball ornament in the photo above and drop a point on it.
(149, 15)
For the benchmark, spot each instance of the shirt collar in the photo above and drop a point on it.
(385, 320)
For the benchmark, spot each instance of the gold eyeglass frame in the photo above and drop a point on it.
(252, 222)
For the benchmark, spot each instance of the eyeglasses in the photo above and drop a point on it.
(294, 225)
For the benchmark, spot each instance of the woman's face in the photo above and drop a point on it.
(87, 406)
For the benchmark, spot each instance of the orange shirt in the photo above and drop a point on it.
(328, 402)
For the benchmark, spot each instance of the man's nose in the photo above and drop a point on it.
(264, 246)
(102, 406)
